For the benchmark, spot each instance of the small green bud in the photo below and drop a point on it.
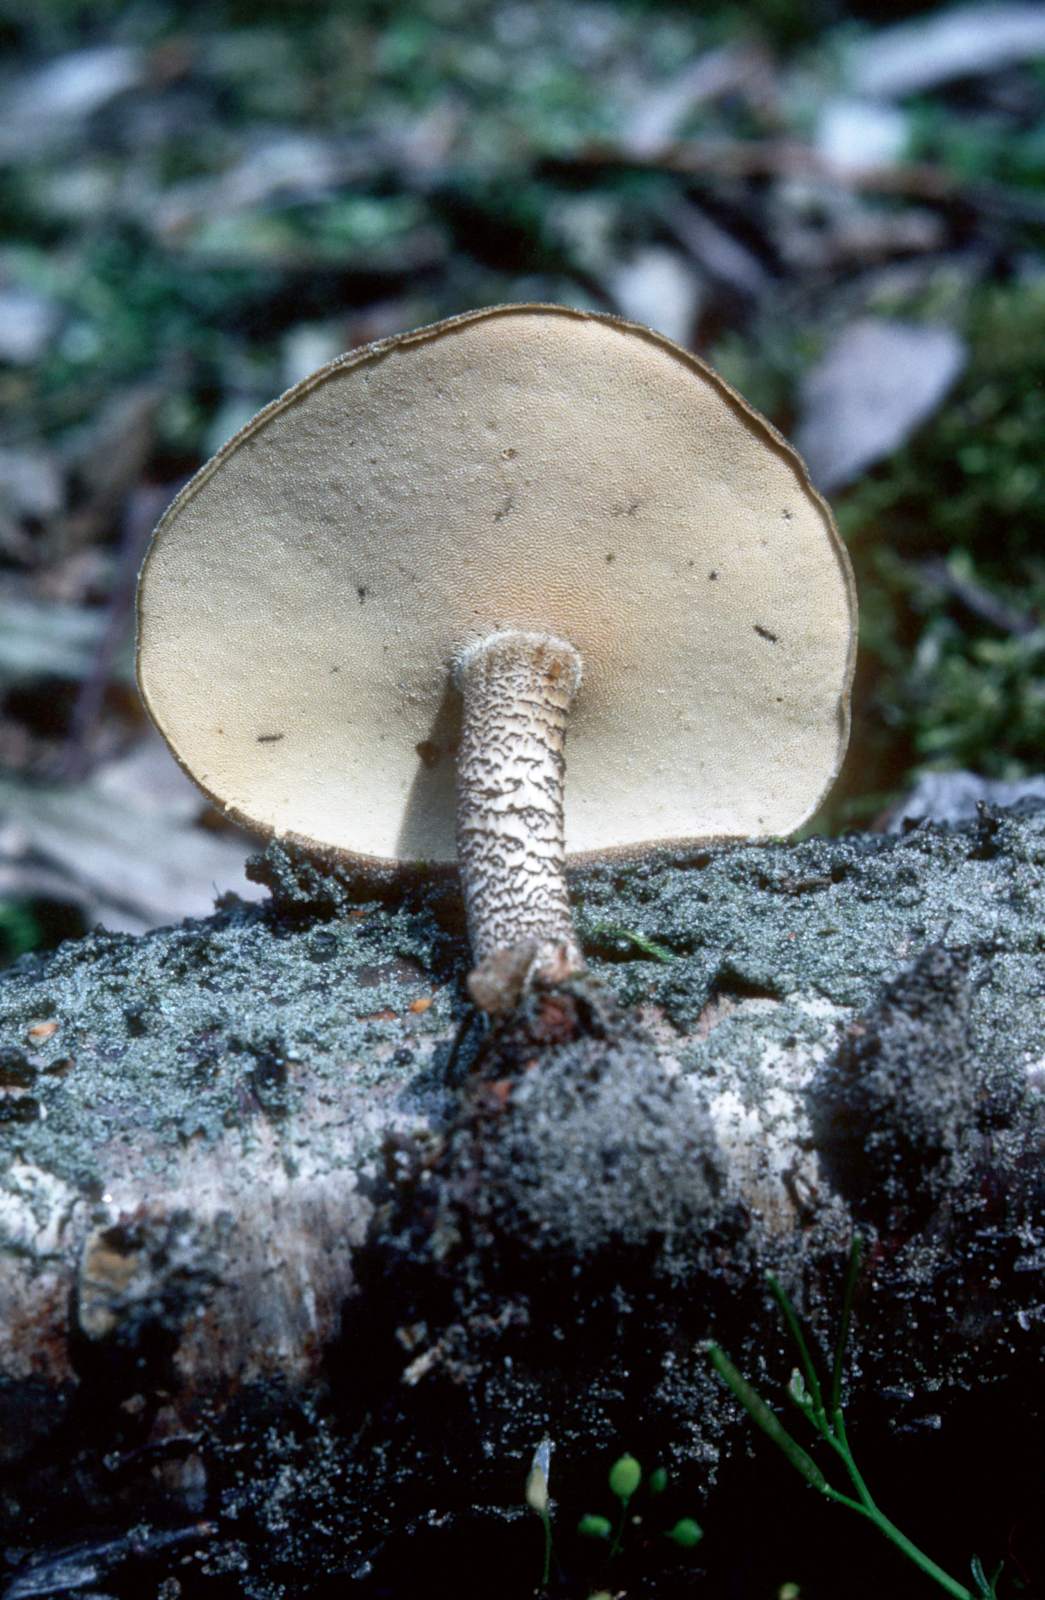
(625, 1477)
(686, 1533)
(658, 1480)
(595, 1527)
(537, 1491)
(797, 1388)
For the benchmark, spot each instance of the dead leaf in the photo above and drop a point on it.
(49, 104)
(969, 41)
(954, 797)
(714, 250)
(657, 288)
(31, 493)
(271, 165)
(129, 868)
(28, 322)
(662, 111)
(45, 639)
(873, 387)
(148, 780)
(109, 459)
(860, 135)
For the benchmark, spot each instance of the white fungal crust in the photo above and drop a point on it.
(517, 689)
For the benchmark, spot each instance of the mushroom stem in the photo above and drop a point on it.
(517, 689)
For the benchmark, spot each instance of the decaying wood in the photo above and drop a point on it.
(290, 1257)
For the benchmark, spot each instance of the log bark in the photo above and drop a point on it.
(298, 1264)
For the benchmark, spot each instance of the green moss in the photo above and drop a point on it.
(979, 149)
(19, 929)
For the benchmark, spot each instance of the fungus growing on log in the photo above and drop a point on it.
(534, 506)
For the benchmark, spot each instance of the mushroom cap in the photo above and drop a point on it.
(527, 467)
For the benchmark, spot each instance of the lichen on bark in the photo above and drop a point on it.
(288, 1249)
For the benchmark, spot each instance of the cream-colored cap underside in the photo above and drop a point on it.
(527, 468)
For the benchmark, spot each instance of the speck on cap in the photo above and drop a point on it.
(525, 467)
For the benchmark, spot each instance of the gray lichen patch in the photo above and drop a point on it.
(831, 918)
(183, 1034)
(267, 1247)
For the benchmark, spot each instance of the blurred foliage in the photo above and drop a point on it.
(982, 148)
(955, 625)
(19, 930)
(948, 542)
(131, 311)
(406, 27)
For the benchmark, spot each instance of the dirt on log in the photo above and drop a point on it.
(298, 1265)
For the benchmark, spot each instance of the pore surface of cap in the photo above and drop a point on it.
(528, 467)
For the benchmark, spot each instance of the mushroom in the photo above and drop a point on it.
(415, 560)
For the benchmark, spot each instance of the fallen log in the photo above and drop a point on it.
(298, 1266)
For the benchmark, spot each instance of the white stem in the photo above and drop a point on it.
(517, 689)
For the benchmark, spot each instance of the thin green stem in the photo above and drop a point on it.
(619, 1535)
(831, 1493)
(920, 1559)
(766, 1418)
(986, 1588)
(831, 1428)
(547, 1523)
(841, 1443)
(794, 1327)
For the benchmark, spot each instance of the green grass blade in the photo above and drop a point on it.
(766, 1419)
(986, 1588)
(640, 941)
